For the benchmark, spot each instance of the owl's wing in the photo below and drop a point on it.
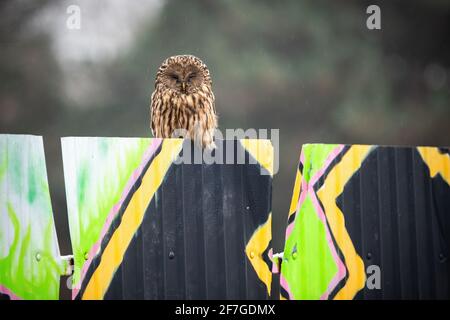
(154, 115)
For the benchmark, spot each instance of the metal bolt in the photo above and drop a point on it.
(252, 255)
(38, 256)
(369, 256)
(247, 208)
(171, 255)
(86, 256)
(294, 255)
(442, 257)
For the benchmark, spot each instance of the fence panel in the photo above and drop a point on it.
(144, 226)
(368, 222)
(30, 264)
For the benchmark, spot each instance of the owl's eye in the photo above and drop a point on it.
(191, 76)
(174, 77)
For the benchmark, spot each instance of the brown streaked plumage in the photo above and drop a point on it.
(183, 99)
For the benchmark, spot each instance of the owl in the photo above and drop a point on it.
(183, 99)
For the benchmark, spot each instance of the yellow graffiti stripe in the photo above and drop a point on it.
(132, 218)
(296, 193)
(256, 246)
(332, 188)
(261, 150)
(436, 162)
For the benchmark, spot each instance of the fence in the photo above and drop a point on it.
(148, 221)
(368, 222)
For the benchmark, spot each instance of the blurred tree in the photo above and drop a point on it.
(29, 74)
(310, 68)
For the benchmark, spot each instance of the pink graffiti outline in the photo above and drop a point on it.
(333, 154)
(11, 294)
(301, 198)
(284, 284)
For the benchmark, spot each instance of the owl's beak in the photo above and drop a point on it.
(183, 85)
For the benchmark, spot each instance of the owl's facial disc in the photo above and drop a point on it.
(183, 79)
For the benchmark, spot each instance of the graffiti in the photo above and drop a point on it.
(127, 193)
(365, 222)
(365, 205)
(313, 227)
(29, 255)
(99, 172)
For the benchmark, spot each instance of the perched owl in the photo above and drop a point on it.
(183, 99)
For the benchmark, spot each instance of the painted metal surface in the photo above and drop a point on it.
(144, 226)
(356, 208)
(30, 264)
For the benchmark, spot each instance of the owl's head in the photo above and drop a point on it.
(184, 74)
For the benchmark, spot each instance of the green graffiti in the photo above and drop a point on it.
(16, 227)
(315, 155)
(3, 166)
(32, 184)
(30, 266)
(302, 267)
(21, 272)
(82, 183)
